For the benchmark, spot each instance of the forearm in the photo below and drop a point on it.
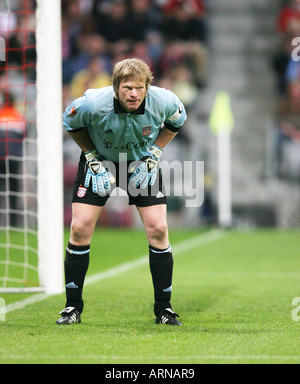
(83, 140)
(164, 137)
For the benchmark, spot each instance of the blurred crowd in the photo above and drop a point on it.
(169, 35)
(17, 102)
(287, 67)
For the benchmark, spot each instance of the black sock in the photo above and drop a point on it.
(76, 265)
(161, 266)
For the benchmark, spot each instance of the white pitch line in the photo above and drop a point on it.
(153, 358)
(24, 303)
(185, 245)
(194, 242)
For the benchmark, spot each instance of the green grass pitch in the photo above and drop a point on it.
(234, 294)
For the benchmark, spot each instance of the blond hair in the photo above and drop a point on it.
(131, 68)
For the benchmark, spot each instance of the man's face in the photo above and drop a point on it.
(131, 94)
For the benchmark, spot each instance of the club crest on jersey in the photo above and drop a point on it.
(72, 113)
(147, 130)
(81, 192)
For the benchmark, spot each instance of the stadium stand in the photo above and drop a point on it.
(171, 36)
(196, 48)
(17, 110)
(287, 110)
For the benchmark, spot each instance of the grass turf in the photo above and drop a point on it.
(234, 296)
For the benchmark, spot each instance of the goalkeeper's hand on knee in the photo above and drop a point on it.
(145, 173)
(101, 177)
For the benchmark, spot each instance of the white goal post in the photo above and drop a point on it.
(50, 145)
(49, 230)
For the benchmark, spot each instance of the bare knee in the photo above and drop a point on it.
(81, 232)
(83, 223)
(155, 223)
(158, 234)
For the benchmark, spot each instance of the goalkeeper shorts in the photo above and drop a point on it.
(139, 197)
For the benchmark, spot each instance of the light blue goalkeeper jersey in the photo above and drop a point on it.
(114, 131)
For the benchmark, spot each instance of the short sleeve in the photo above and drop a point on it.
(77, 115)
(176, 114)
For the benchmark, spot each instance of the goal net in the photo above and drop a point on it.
(31, 222)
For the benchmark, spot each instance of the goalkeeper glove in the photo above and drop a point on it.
(145, 172)
(101, 177)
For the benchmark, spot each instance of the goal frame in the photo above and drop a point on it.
(50, 145)
(50, 217)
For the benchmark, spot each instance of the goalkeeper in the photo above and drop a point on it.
(135, 120)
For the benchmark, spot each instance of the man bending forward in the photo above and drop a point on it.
(129, 120)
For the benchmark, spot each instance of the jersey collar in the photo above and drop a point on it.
(119, 109)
